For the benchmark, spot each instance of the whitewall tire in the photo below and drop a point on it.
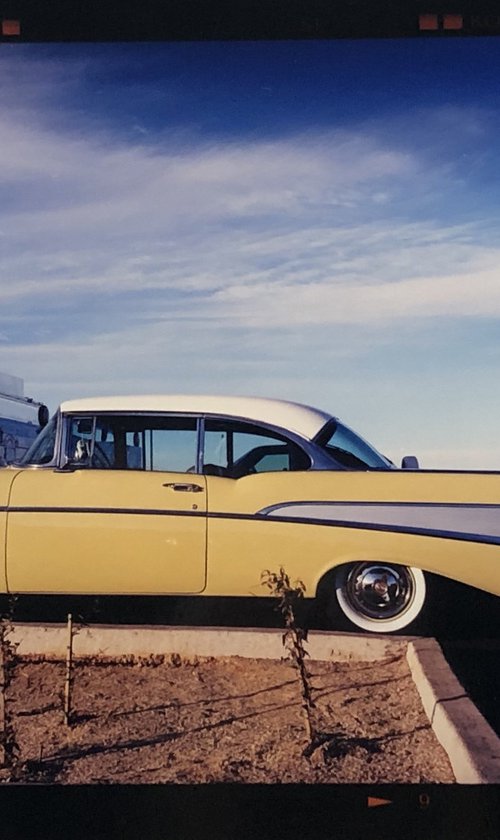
(379, 597)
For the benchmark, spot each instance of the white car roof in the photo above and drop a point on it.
(301, 419)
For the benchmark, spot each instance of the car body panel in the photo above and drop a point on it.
(75, 528)
(105, 531)
(311, 522)
(7, 475)
(309, 552)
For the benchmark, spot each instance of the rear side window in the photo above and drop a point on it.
(233, 449)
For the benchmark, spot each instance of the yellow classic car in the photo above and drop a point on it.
(151, 495)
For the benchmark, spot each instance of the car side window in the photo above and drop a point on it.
(234, 448)
(273, 462)
(151, 443)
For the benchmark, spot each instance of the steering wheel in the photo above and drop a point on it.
(102, 457)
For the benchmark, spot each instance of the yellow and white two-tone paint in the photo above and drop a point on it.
(314, 521)
(374, 534)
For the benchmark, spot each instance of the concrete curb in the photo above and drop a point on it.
(472, 746)
(144, 641)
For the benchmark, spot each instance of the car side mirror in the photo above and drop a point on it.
(409, 462)
(80, 458)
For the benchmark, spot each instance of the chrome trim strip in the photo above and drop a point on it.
(126, 511)
(328, 523)
(371, 504)
(396, 529)
(200, 446)
(473, 520)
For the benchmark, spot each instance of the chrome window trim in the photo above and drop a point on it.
(315, 454)
(65, 421)
(319, 459)
(68, 417)
(200, 453)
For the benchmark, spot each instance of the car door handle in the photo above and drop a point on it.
(186, 488)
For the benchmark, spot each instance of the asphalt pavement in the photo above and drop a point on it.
(476, 665)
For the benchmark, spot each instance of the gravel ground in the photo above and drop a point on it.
(221, 720)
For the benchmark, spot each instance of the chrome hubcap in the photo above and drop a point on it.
(379, 591)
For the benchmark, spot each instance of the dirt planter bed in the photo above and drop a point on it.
(173, 719)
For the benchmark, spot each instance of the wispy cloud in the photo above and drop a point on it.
(268, 304)
(241, 225)
(145, 260)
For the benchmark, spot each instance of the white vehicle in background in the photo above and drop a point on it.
(20, 419)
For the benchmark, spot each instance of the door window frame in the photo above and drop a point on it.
(318, 460)
(284, 435)
(65, 462)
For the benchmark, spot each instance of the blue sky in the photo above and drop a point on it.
(313, 221)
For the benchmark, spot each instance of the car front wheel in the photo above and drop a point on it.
(379, 597)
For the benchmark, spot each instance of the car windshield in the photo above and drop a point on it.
(42, 449)
(349, 449)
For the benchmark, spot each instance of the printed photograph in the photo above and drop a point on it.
(249, 410)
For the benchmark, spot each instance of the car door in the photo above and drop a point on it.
(125, 517)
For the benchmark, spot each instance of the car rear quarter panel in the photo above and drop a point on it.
(242, 544)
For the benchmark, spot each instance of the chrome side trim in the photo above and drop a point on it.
(98, 510)
(463, 536)
(466, 519)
